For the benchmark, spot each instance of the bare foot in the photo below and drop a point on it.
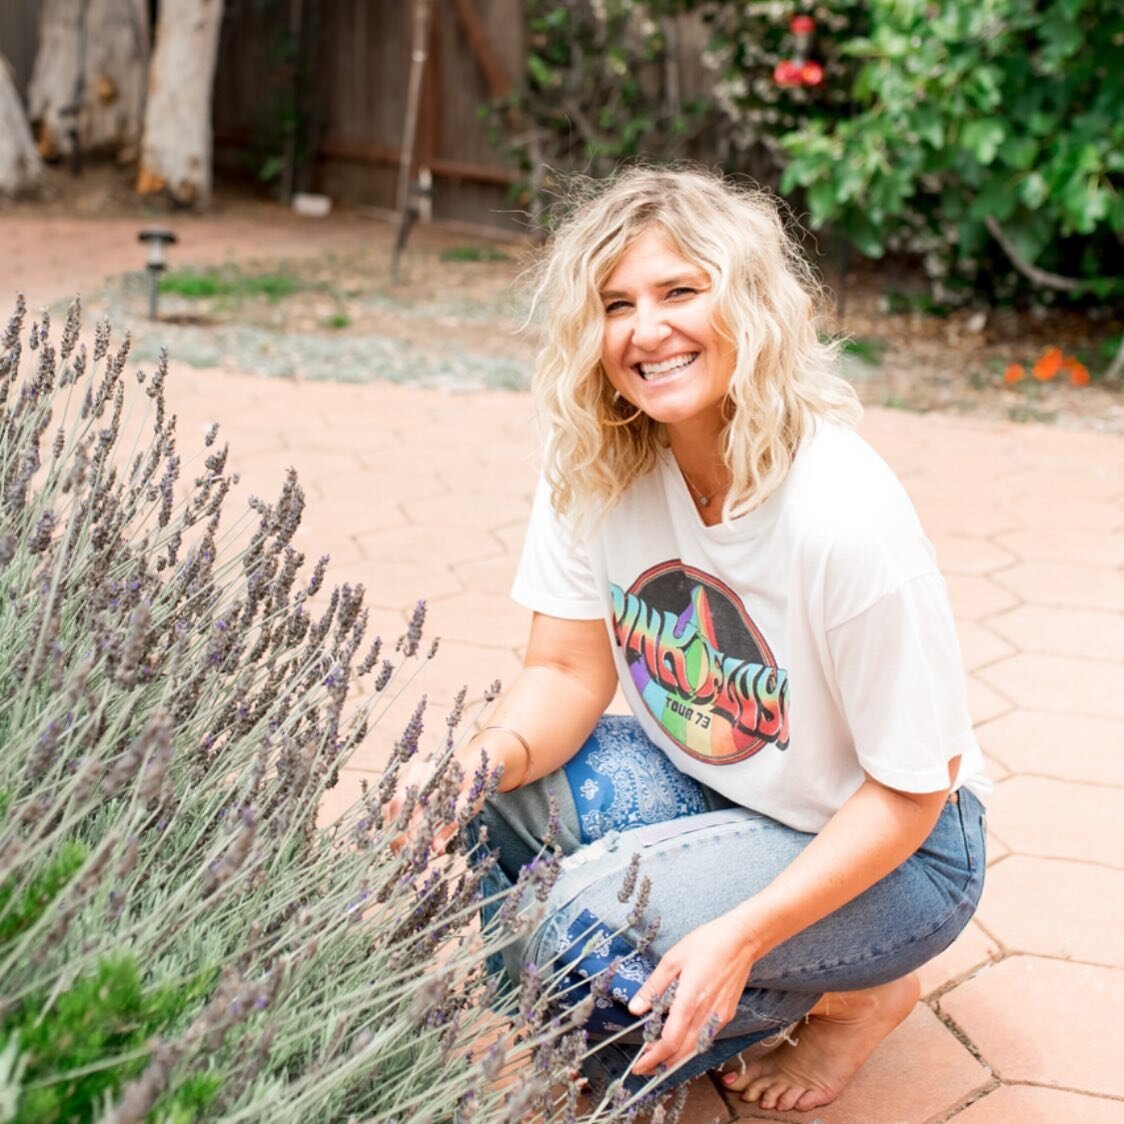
(840, 1033)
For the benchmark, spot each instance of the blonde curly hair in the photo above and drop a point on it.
(785, 375)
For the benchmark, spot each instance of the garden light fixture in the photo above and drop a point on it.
(156, 237)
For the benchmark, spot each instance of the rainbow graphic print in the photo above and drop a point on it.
(702, 668)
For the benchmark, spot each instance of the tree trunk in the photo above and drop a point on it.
(89, 76)
(20, 166)
(176, 149)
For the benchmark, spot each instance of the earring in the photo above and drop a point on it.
(623, 421)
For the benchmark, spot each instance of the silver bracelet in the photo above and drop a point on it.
(526, 750)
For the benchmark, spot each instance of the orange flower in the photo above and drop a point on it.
(1078, 372)
(1048, 365)
(1013, 374)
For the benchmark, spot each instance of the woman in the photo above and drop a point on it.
(799, 773)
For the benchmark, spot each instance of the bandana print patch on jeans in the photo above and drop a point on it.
(589, 948)
(620, 780)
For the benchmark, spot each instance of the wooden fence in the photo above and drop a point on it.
(339, 74)
(312, 93)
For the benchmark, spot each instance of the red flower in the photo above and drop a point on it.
(787, 73)
(1078, 372)
(802, 25)
(1013, 374)
(811, 74)
(1048, 365)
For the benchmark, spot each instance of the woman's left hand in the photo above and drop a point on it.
(710, 967)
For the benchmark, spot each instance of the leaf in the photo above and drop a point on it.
(866, 237)
(983, 137)
(538, 70)
(1034, 191)
(1085, 203)
(927, 123)
(995, 199)
(1020, 152)
(821, 202)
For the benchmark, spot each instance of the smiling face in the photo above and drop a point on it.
(662, 350)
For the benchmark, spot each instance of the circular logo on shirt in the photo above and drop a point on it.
(700, 664)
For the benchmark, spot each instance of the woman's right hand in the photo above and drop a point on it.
(417, 775)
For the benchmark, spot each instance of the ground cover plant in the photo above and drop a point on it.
(179, 939)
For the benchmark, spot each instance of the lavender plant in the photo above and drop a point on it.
(179, 939)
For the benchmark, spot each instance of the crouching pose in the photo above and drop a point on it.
(798, 772)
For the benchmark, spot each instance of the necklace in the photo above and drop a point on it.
(704, 500)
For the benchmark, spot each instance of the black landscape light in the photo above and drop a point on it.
(157, 237)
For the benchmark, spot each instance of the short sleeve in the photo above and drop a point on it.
(555, 574)
(900, 677)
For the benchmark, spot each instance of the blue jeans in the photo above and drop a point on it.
(620, 796)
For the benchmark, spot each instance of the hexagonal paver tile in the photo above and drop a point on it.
(1059, 485)
(970, 951)
(1078, 546)
(512, 477)
(268, 470)
(470, 665)
(942, 515)
(1045, 1021)
(1032, 905)
(462, 508)
(979, 645)
(1065, 585)
(1074, 512)
(489, 575)
(1065, 684)
(919, 1072)
(975, 597)
(997, 850)
(962, 554)
(428, 545)
(355, 512)
(1086, 633)
(1070, 746)
(1056, 819)
(400, 585)
(705, 1104)
(984, 703)
(1029, 1104)
(482, 618)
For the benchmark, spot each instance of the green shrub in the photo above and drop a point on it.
(179, 940)
(982, 136)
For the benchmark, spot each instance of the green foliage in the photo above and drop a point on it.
(473, 254)
(602, 85)
(32, 899)
(96, 1037)
(866, 350)
(968, 116)
(218, 283)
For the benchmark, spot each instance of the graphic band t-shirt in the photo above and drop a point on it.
(777, 657)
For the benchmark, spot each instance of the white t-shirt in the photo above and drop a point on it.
(777, 657)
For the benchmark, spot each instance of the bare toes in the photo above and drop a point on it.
(739, 1079)
(809, 1099)
(790, 1098)
(754, 1090)
(772, 1095)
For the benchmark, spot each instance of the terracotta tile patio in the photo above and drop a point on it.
(422, 493)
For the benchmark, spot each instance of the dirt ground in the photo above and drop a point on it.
(456, 317)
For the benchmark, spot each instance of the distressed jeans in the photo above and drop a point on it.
(620, 796)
